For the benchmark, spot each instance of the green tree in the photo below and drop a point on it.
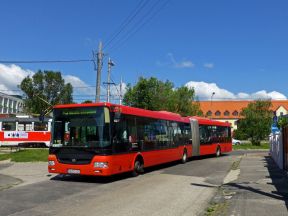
(183, 102)
(45, 89)
(87, 101)
(282, 122)
(153, 94)
(256, 122)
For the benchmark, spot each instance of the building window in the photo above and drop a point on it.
(235, 113)
(5, 102)
(218, 113)
(281, 113)
(226, 113)
(209, 113)
(236, 122)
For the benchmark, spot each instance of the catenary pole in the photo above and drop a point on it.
(120, 96)
(99, 56)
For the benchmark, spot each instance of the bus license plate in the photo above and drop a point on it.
(73, 171)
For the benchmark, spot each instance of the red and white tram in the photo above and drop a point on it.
(26, 132)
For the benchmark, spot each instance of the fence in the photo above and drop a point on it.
(279, 148)
(276, 148)
(285, 148)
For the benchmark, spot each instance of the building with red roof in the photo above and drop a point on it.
(229, 111)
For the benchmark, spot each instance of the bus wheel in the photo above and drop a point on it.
(138, 167)
(184, 156)
(218, 152)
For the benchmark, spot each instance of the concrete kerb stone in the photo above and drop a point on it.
(5, 161)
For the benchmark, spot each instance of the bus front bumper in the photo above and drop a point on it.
(102, 162)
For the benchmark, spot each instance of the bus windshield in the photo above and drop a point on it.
(87, 127)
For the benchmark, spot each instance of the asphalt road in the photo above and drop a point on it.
(170, 189)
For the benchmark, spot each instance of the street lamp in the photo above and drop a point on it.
(213, 93)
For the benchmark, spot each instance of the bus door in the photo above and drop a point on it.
(195, 137)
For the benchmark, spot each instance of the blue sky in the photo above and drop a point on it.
(223, 46)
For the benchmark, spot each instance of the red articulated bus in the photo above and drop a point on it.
(26, 132)
(104, 139)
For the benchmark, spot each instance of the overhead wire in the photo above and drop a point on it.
(140, 6)
(152, 12)
(44, 61)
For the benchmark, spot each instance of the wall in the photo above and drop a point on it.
(231, 121)
(276, 148)
(280, 110)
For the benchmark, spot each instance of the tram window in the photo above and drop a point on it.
(25, 126)
(8, 126)
(39, 126)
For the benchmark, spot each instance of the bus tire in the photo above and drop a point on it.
(218, 152)
(184, 156)
(138, 167)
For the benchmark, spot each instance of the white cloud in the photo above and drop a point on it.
(82, 91)
(208, 65)
(184, 64)
(181, 64)
(205, 90)
(11, 76)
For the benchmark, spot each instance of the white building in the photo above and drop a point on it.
(10, 104)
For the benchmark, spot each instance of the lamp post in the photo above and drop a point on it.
(110, 64)
(213, 93)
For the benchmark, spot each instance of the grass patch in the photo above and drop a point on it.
(216, 209)
(27, 155)
(247, 146)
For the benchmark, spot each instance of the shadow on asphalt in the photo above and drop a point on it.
(122, 176)
(204, 185)
(279, 181)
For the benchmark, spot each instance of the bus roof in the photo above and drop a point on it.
(165, 115)
(207, 121)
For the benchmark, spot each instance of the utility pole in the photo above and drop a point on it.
(120, 96)
(110, 64)
(99, 57)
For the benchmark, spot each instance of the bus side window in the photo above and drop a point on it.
(146, 134)
(204, 133)
(121, 133)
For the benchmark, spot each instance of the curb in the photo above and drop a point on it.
(5, 161)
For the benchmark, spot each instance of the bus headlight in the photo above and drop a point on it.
(51, 163)
(101, 164)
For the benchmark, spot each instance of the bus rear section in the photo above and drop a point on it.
(106, 139)
(26, 132)
(210, 137)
